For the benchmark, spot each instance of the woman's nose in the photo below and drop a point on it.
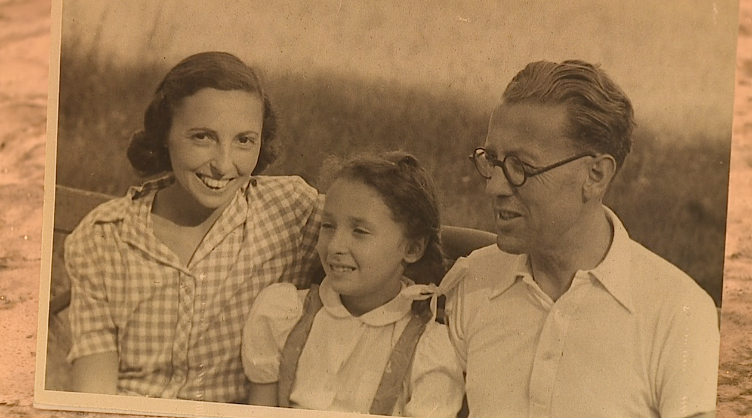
(222, 163)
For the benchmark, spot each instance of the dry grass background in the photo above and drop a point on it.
(24, 39)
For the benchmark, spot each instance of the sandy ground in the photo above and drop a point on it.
(735, 374)
(24, 43)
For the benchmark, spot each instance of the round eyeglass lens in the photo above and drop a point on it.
(515, 170)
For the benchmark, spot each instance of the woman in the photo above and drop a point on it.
(163, 278)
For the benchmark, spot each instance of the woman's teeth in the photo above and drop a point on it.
(214, 183)
(341, 269)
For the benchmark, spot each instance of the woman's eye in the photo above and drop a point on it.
(247, 140)
(361, 231)
(327, 225)
(201, 136)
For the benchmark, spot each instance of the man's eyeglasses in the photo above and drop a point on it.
(515, 171)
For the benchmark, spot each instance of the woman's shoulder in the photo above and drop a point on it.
(282, 184)
(284, 193)
(116, 209)
(97, 231)
(108, 212)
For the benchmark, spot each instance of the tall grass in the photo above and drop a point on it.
(671, 194)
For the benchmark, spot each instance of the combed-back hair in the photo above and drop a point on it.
(410, 193)
(147, 151)
(600, 115)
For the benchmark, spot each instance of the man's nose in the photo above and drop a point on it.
(498, 185)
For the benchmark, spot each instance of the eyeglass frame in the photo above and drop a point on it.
(495, 162)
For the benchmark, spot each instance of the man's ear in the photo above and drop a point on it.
(602, 171)
(414, 250)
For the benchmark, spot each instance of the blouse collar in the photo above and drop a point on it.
(388, 313)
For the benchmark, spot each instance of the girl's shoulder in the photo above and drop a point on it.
(278, 302)
(434, 340)
(435, 353)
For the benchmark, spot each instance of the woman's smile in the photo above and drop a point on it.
(214, 144)
(214, 184)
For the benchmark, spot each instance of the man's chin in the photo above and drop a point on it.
(509, 245)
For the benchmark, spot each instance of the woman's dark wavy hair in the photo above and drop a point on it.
(410, 193)
(147, 151)
(600, 114)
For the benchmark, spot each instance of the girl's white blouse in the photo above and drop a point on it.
(344, 357)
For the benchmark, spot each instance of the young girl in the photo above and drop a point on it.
(163, 278)
(350, 344)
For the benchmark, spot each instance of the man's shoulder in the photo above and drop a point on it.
(488, 267)
(656, 279)
(491, 256)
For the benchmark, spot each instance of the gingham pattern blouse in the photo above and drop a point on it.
(177, 329)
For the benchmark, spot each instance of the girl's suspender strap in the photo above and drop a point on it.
(399, 365)
(288, 362)
(395, 372)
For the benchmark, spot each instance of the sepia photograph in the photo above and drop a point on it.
(443, 209)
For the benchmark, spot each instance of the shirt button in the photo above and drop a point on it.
(178, 377)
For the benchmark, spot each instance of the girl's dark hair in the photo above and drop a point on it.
(147, 151)
(408, 190)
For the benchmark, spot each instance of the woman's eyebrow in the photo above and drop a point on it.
(202, 129)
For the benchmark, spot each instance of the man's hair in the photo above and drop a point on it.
(600, 115)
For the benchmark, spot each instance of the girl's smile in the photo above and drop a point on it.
(363, 250)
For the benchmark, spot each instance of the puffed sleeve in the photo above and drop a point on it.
(686, 381)
(274, 313)
(436, 382)
(86, 255)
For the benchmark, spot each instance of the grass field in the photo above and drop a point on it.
(671, 194)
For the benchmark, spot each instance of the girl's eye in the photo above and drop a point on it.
(361, 231)
(327, 225)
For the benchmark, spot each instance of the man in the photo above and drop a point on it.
(567, 316)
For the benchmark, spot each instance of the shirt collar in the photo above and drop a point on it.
(137, 222)
(520, 267)
(386, 314)
(136, 228)
(612, 272)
